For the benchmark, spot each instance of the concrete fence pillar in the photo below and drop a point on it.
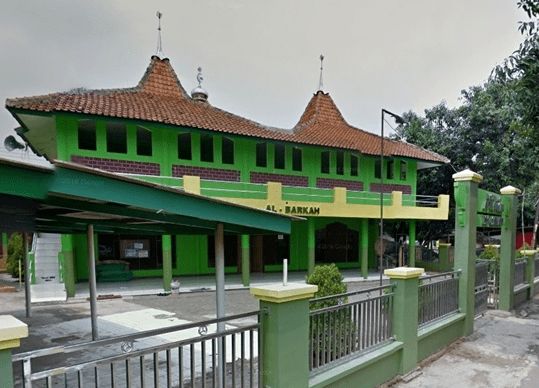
(465, 189)
(507, 247)
(530, 270)
(443, 257)
(11, 332)
(405, 312)
(166, 243)
(285, 333)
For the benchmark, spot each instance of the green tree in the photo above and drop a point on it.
(483, 134)
(15, 253)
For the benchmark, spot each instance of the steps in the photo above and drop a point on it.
(48, 286)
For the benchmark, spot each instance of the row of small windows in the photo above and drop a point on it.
(279, 157)
(390, 170)
(116, 141)
(206, 148)
(325, 163)
(116, 138)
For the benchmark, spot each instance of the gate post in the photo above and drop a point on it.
(11, 332)
(285, 334)
(465, 187)
(405, 312)
(507, 247)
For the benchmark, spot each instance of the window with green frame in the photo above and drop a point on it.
(324, 162)
(354, 165)
(280, 153)
(340, 163)
(297, 159)
(184, 146)
(390, 169)
(378, 169)
(227, 154)
(144, 142)
(404, 170)
(116, 137)
(206, 148)
(261, 155)
(86, 135)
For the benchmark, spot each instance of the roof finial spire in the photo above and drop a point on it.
(199, 77)
(199, 93)
(320, 82)
(159, 44)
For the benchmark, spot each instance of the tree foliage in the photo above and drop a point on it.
(15, 253)
(483, 134)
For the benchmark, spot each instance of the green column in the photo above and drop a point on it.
(11, 332)
(167, 261)
(365, 248)
(4, 246)
(69, 264)
(465, 188)
(405, 312)
(285, 334)
(412, 238)
(245, 260)
(507, 247)
(443, 258)
(311, 241)
(530, 272)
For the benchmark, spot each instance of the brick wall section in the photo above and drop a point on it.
(214, 174)
(285, 180)
(375, 187)
(123, 166)
(325, 183)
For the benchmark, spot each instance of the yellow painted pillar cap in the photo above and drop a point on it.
(278, 293)
(404, 272)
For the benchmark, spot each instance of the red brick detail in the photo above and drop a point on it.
(324, 183)
(122, 166)
(286, 180)
(375, 187)
(214, 174)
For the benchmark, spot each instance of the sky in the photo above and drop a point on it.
(260, 59)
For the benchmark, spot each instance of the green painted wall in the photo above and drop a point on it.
(191, 258)
(164, 140)
(439, 335)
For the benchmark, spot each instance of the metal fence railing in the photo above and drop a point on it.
(520, 273)
(346, 324)
(438, 297)
(176, 356)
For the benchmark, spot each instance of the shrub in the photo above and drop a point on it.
(15, 253)
(328, 278)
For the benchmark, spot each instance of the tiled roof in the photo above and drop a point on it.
(159, 97)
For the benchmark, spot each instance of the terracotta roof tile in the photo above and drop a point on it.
(159, 97)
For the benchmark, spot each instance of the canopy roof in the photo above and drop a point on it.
(66, 197)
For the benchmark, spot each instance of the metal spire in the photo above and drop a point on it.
(320, 82)
(199, 77)
(159, 44)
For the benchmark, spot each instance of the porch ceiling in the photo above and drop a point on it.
(66, 198)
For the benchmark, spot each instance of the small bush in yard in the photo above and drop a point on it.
(15, 253)
(329, 281)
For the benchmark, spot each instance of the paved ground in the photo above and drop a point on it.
(503, 351)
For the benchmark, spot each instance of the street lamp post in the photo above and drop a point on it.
(398, 120)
